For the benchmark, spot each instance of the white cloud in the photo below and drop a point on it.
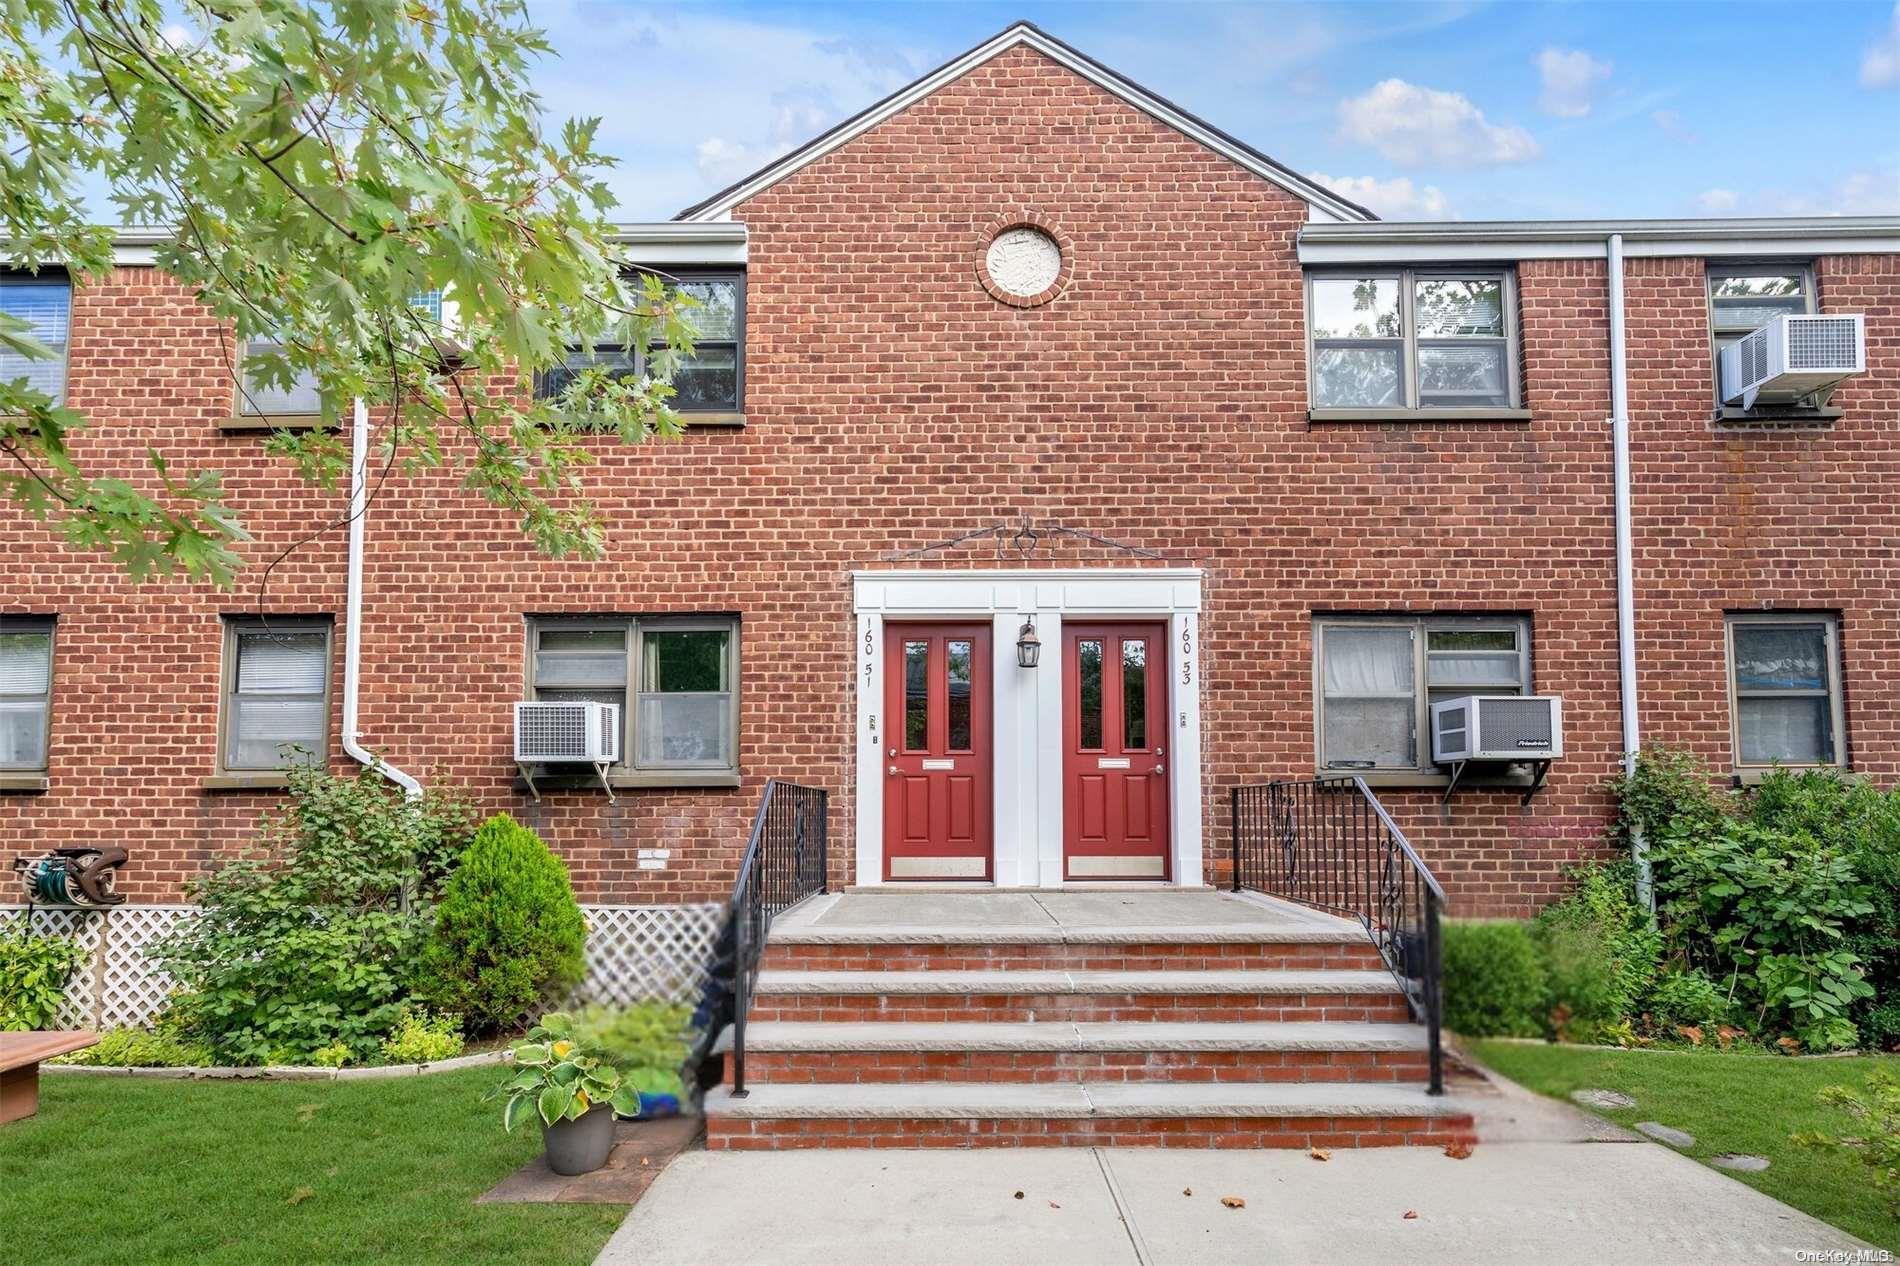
(1571, 78)
(1880, 66)
(1413, 125)
(1670, 124)
(1395, 199)
(1865, 191)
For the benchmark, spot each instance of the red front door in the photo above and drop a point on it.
(937, 758)
(1114, 766)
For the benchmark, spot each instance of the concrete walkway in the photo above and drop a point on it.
(1548, 1185)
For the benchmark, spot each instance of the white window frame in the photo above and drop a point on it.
(1837, 714)
(1722, 335)
(1419, 626)
(1409, 406)
(631, 771)
(234, 626)
(49, 627)
(50, 279)
(640, 356)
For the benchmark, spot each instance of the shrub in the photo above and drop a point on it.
(310, 941)
(1601, 952)
(644, 1035)
(421, 1037)
(333, 1056)
(33, 975)
(142, 1048)
(1875, 1143)
(1669, 785)
(508, 934)
(1688, 998)
(1494, 980)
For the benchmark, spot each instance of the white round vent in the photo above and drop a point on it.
(1024, 262)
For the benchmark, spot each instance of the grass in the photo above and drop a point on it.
(118, 1169)
(1731, 1103)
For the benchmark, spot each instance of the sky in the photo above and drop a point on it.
(1455, 110)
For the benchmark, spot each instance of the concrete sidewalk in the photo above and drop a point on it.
(1548, 1185)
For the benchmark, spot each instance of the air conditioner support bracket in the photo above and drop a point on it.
(605, 785)
(527, 776)
(1457, 772)
(1538, 769)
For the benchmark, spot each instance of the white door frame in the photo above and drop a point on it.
(1027, 729)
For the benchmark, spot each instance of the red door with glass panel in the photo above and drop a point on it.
(937, 756)
(1114, 765)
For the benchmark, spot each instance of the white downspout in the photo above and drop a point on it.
(1625, 560)
(353, 611)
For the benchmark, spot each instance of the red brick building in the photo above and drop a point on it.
(1025, 344)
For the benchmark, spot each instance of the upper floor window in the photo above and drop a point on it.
(44, 303)
(276, 693)
(674, 679)
(1785, 690)
(712, 379)
(301, 400)
(1413, 339)
(26, 691)
(1745, 297)
(1376, 677)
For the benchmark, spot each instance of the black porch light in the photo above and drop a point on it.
(1028, 645)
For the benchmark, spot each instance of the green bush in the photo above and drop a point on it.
(311, 940)
(1601, 952)
(508, 933)
(1688, 998)
(1874, 1139)
(1669, 785)
(142, 1048)
(644, 1035)
(421, 1037)
(333, 1056)
(1495, 982)
(33, 974)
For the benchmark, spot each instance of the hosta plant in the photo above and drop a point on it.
(556, 1079)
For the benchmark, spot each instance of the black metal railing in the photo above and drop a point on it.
(1330, 844)
(784, 863)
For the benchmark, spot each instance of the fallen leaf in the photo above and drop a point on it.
(1411, 1215)
(1319, 1153)
(1187, 1191)
(1019, 1195)
(1726, 1035)
(1788, 1044)
(1233, 1202)
(1692, 1032)
(1459, 1150)
(1054, 1205)
(300, 1195)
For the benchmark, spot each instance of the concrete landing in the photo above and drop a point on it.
(1056, 917)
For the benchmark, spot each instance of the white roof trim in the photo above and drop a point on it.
(657, 243)
(720, 205)
(1587, 239)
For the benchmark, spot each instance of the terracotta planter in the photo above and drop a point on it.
(580, 1146)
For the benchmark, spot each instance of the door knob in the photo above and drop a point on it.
(1160, 768)
(893, 771)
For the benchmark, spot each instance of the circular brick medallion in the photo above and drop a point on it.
(1022, 260)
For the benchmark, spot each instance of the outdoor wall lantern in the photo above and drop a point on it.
(1028, 645)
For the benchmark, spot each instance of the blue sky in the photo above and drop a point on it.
(1424, 110)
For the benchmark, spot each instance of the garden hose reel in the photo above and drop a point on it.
(78, 877)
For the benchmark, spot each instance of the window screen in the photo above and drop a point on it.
(277, 704)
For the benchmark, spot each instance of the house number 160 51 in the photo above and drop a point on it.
(1187, 652)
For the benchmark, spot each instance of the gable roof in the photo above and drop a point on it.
(1158, 108)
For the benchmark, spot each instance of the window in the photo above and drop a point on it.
(301, 399)
(1785, 688)
(26, 686)
(44, 303)
(711, 380)
(1413, 340)
(674, 678)
(1746, 297)
(1375, 678)
(276, 693)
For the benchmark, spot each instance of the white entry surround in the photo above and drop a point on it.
(1027, 788)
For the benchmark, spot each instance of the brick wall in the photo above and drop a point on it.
(891, 403)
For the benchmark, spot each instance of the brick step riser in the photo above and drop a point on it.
(1160, 1067)
(735, 1133)
(1080, 1008)
(1153, 957)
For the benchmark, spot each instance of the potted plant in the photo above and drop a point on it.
(574, 1093)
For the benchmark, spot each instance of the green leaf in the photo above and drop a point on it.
(517, 1107)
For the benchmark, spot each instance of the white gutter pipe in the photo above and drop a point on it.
(1625, 560)
(353, 617)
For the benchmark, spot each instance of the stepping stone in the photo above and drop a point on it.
(1735, 1160)
(1666, 1134)
(1603, 1099)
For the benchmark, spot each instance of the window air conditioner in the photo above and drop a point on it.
(1498, 728)
(567, 733)
(1792, 358)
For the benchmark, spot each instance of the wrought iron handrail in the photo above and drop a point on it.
(784, 863)
(1330, 844)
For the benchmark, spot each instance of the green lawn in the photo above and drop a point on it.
(1731, 1103)
(121, 1170)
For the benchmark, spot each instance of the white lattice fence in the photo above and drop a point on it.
(633, 953)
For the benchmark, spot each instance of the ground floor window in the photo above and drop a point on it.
(680, 675)
(276, 693)
(1376, 677)
(26, 686)
(1785, 690)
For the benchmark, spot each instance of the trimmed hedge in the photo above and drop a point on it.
(1495, 984)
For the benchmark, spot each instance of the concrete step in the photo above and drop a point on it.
(1100, 996)
(1061, 1051)
(1124, 949)
(964, 1114)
